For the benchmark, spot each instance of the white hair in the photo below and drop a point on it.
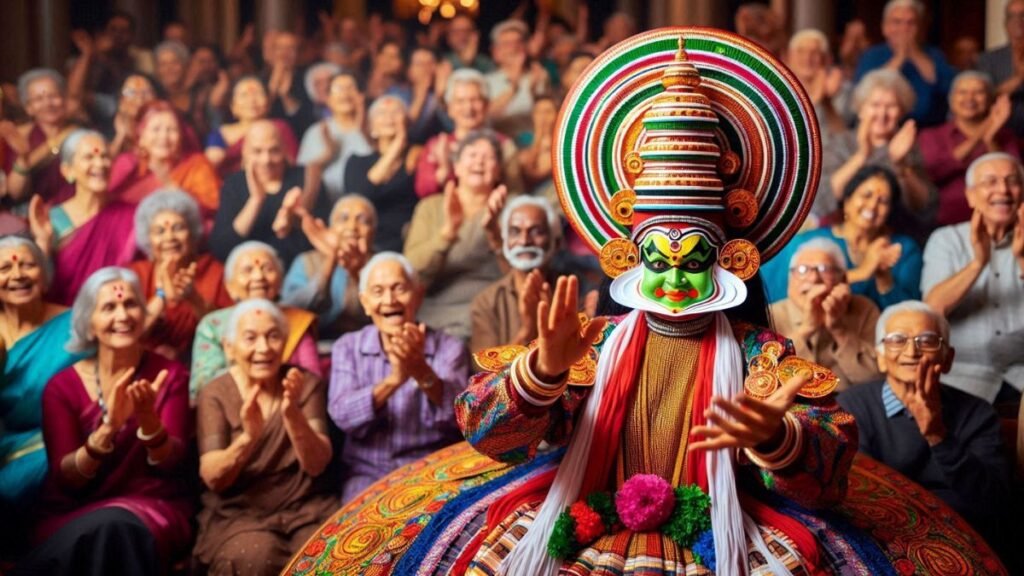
(989, 157)
(810, 34)
(914, 5)
(85, 305)
(974, 75)
(887, 80)
(307, 80)
(168, 199)
(554, 222)
(353, 196)
(14, 241)
(364, 274)
(466, 76)
(379, 103)
(911, 306)
(826, 245)
(70, 144)
(175, 47)
(249, 246)
(32, 76)
(255, 304)
(507, 25)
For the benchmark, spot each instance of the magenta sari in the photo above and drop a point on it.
(156, 494)
(106, 240)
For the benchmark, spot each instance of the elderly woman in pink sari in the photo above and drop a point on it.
(163, 158)
(249, 103)
(35, 146)
(88, 231)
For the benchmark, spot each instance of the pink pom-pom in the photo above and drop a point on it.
(645, 502)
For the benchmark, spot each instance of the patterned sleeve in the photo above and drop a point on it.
(818, 476)
(496, 420)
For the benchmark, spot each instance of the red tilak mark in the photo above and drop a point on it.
(120, 295)
(675, 246)
(258, 312)
(14, 257)
(95, 150)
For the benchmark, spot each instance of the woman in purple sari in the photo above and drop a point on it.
(115, 426)
(89, 230)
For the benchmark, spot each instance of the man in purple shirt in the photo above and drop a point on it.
(393, 384)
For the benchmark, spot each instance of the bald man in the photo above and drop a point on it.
(252, 197)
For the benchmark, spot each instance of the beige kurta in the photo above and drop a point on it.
(856, 361)
(453, 273)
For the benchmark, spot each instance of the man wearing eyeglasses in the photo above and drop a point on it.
(827, 323)
(974, 275)
(942, 438)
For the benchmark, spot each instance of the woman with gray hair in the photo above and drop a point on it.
(180, 284)
(252, 270)
(327, 145)
(36, 146)
(116, 425)
(454, 239)
(32, 336)
(172, 58)
(263, 445)
(977, 126)
(386, 175)
(881, 100)
(324, 280)
(466, 100)
(89, 230)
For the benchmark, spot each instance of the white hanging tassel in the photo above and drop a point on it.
(529, 557)
(730, 525)
(726, 515)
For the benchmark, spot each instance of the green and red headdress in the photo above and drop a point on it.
(679, 145)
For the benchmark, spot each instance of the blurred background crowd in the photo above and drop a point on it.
(249, 247)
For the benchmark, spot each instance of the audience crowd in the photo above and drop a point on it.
(237, 287)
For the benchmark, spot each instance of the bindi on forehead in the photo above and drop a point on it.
(14, 257)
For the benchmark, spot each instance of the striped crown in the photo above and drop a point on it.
(679, 153)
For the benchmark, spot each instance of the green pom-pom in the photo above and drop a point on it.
(604, 505)
(562, 543)
(690, 516)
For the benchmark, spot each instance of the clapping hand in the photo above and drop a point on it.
(491, 221)
(533, 291)
(39, 223)
(407, 347)
(118, 401)
(835, 305)
(282, 225)
(292, 392)
(924, 402)
(902, 141)
(745, 422)
(143, 394)
(252, 416)
(981, 241)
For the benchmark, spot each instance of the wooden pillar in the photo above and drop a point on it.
(15, 40)
(813, 14)
(277, 14)
(995, 24)
(689, 13)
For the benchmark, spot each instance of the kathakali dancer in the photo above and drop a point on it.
(681, 438)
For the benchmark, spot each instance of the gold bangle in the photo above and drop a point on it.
(787, 453)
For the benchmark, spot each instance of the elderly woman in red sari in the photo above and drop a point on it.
(180, 284)
(160, 160)
(36, 146)
(252, 270)
(263, 444)
(88, 231)
(115, 426)
(32, 333)
(249, 103)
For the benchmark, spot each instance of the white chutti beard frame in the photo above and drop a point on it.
(730, 292)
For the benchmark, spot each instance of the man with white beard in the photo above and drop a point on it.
(506, 312)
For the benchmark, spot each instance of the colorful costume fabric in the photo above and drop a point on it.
(686, 157)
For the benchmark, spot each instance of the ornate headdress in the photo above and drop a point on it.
(683, 131)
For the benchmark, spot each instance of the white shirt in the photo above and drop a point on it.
(987, 327)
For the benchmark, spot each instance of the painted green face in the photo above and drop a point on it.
(677, 273)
